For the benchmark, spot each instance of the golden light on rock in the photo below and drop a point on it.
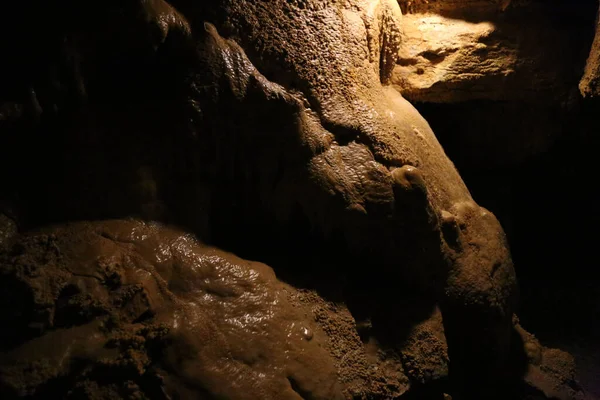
(438, 49)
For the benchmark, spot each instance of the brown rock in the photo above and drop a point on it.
(227, 114)
(457, 51)
(169, 316)
(589, 86)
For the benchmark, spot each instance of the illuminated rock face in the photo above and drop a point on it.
(246, 120)
(590, 82)
(449, 60)
(366, 166)
(454, 52)
(500, 93)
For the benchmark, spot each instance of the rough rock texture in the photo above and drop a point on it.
(512, 151)
(460, 8)
(490, 50)
(449, 60)
(507, 71)
(8, 229)
(264, 127)
(550, 370)
(127, 309)
(133, 299)
(124, 307)
(134, 310)
(590, 82)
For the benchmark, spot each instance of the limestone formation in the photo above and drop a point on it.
(497, 78)
(268, 128)
(153, 313)
(459, 51)
(127, 309)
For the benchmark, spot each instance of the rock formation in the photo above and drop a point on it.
(589, 85)
(127, 309)
(486, 64)
(269, 129)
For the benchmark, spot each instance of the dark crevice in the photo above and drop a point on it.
(305, 395)
(433, 390)
(343, 135)
(435, 58)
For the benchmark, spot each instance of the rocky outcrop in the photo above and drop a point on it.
(268, 129)
(590, 82)
(127, 309)
(450, 60)
(458, 51)
(122, 308)
(134, 310)
(511, 145)
(504, 73)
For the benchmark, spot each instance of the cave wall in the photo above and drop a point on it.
(502, 99)
(507, 107)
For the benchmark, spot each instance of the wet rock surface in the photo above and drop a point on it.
(128, 309)
(268, 129)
